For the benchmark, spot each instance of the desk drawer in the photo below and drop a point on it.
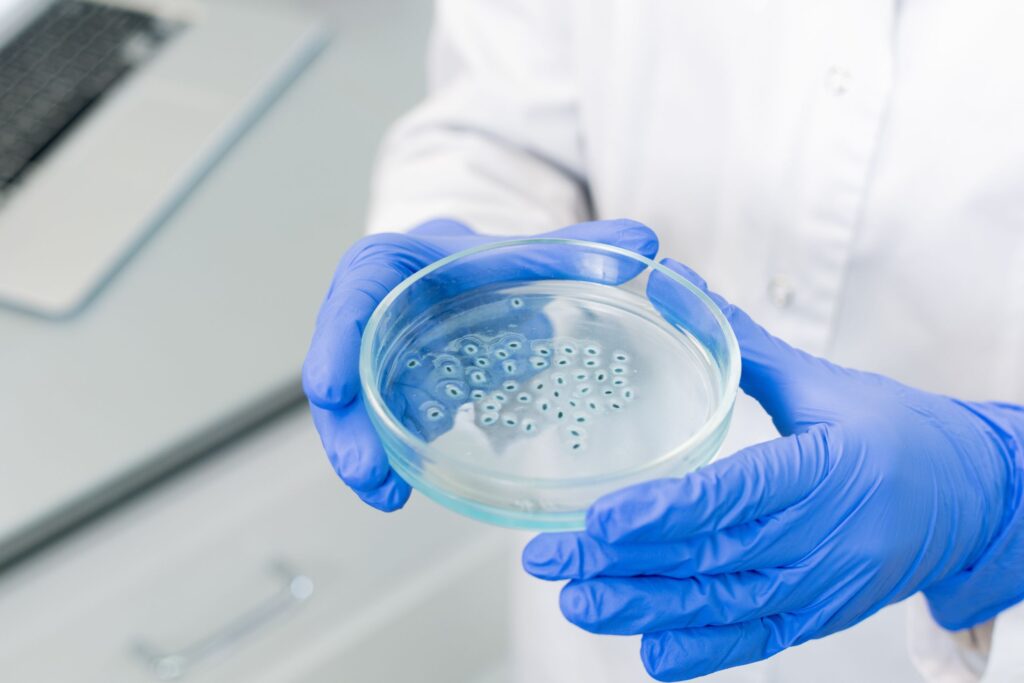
(259, 566)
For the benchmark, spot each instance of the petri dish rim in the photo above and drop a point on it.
(374, 402)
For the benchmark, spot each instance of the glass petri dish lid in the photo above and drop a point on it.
(518, 381)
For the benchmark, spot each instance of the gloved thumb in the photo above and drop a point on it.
(782, 378)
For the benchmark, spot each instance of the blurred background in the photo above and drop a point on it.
(177, 182)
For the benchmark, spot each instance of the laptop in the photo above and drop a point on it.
(110, 111)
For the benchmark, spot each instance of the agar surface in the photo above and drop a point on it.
(561, 383)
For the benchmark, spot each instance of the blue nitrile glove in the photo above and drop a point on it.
(367, 272)
(875, 491)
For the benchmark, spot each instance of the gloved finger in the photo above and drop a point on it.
(621, 606)
(772, 541)
(378, 263)
(369, 270)
(352, 446)
(553, 260)
(557, 261)
(450, 237)
(442, 227)
(775, 374)
(688, 653)
(357, 456)
(389, 496)
(752, 483)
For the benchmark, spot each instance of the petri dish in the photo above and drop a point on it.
(518, 381)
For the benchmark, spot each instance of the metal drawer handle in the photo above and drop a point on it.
(168, 666)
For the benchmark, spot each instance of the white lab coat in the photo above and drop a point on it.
(850, 172)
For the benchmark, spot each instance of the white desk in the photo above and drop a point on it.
(186, 582)
(204, 330)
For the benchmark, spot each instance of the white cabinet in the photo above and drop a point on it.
(258, 565)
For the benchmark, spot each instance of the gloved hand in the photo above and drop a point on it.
(367, 272)
(875, 491)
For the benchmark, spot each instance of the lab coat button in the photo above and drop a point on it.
(780, 291)
(838, 80)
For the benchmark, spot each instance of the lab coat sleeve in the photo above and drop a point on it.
(988, 653)
(496, 144)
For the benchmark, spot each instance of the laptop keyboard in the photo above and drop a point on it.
(60, 65)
